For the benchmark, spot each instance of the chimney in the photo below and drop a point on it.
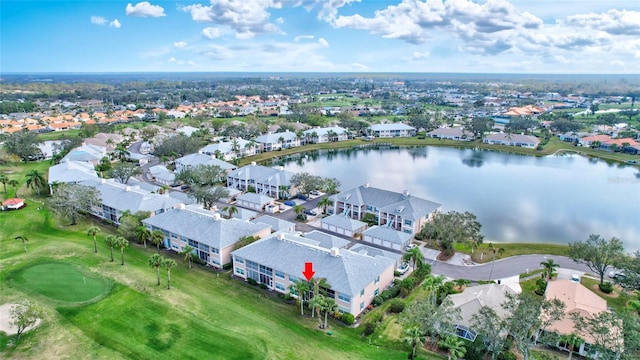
(216, 216)
(127, 188)
(366, 185)
(253, 163)
(405, 193)
(181, 206)
(335, 252)
(280, 236)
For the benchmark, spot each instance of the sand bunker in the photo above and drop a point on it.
(5, 320)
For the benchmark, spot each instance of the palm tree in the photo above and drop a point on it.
(495, 250)
(415, 256)
(3, 180)
(454, 345)
(121, 243)
(573, 341)
(231, 209)
(187, 252)
(301, 288)
(35, 180)
(144, 234)
(298, 209)
(414, 337)
(157, 237)
(318, 284)
(24, 240)
(14, 183)
(324, 202)
(111, 241)
(317, 305)
(168, 264)
(549, 267)
(93, 231)
(433, 283)
(155, 260)
(330, 306)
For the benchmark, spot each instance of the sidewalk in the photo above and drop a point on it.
(430, 255)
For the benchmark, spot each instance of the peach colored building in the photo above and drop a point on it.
(278, 260)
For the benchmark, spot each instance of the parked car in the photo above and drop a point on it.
(402, 269)
(302, 197)
(290, 203)
(310, 212)
(575, 278)
(315, 193)
(411, 246)
(616, 274)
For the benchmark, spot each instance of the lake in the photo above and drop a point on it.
(516, 198)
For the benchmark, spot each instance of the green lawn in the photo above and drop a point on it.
(617, 299)
(57, 135)
(483, 253)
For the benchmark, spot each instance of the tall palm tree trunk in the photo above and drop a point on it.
(122, 255)
(111, 247)
(168, 279)
(158, 273)
(95, 245)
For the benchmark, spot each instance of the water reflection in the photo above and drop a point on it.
(516, 198)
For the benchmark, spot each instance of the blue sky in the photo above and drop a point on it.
(500, 36)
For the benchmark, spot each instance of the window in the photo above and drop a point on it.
(407, 222)
(362, 305)
(344, 297)
(279, 274)
(292, 278)
(280, 286)
(377, 279)
(240, 271)
(215, 251)
(408, 231)
(239, 260)
(376, 291)
(465, 333)
(362, 292)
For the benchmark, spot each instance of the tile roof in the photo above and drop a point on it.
(255, 198)
(275, 223)
(347, 273)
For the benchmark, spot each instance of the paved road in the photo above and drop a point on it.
(503, 268)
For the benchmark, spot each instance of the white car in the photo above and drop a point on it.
(402, 269)
(616, 273)
(411, 246)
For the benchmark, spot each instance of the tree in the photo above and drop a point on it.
(433, 283)
(111, 241)
(123, 171)
(495, 251)
(300, 288)
(104, 165)
(606, 330)
(35, 180)
(433, 320)
(454, 345)
(14, 184)
(208, 196)
(597, 253)
(93, 231)
(492, 328)
(480, 125)
(144, 235)
(330, 306)
(414, 337)
(24, 240)
(25, 315)
(572, 341)
(594, 108)
(525, 322)
(72, 200)
(549, 267)
(155, 260)
(305, 182)
(317, 304)
(447, 228)
(187, 252)
(129, 225)
(3, 180)
(319, 284)
(121, 243)
(121, 153)
(157, 237)
(415, 256)
(178, 145)
(23, 144)
(330, 185)
(231, 209)
(324, 202)
(168, 264)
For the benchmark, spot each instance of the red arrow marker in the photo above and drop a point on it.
(308, 271)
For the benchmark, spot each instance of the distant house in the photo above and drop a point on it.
(273, 182)
(342, 224)
(230, 150)
(580, 300)
(162, 175)
(451, 133)
(399, 211)
(392, 130)
(211, 236)
(326, 134)
(192, 161)
(572, 136)
(278, 141)
(472, 299)
(13, 204)
(71, 172)
(254, 201)
(526, 141)
(277, 261)
(87, 153)
(528, 110)
(187, 130)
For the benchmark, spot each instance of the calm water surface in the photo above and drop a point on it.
(516, 198)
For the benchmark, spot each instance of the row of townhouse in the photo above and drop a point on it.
(229, 150)
(520, 140)
(354, 278)
(267, 181)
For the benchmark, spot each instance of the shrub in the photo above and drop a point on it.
(252, 282)
(227, 266)
(375, 317)
(606, 288)
(397, 305)
(419, 236)
(378, 300)
(348, 318)
(337, 315)
(263, 286)
(541, 286)
(369, 328)
(199, 261)
(507, 356)
(396, 273)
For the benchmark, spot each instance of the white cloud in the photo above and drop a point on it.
(115, 23)
(323, 42)
(303, 37)
(180, 44)
(172, 59)
(247, 18)
(98, 20)
(144, 9)
(211, 32)
(359, 67)
(417, 55)
(280, 21)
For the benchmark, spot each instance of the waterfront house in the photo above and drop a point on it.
(212, 237)
(326, 134)
(355, 279)
(230, 150)
(277, 141)
(398, 211)
(451, 133)
(392, 130)
(192, 161)
(526, 141)
(273, 182)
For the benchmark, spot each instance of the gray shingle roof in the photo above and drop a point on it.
(255, 198)
(343, 222)
(194, 160)
(224, 147)
(411, 207)
(348, 273)
(385, 233)
(371, 251)
(71, 172)
(117, 196)
(204, 228)
(263, 174)
(323, 131)
(396, 126)
(515, 138)
(161, 172)
(450, 131)
(275, 223)
(273, 138)
(325, 240)
(473, 298)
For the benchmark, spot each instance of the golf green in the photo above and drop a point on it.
(62, 282)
